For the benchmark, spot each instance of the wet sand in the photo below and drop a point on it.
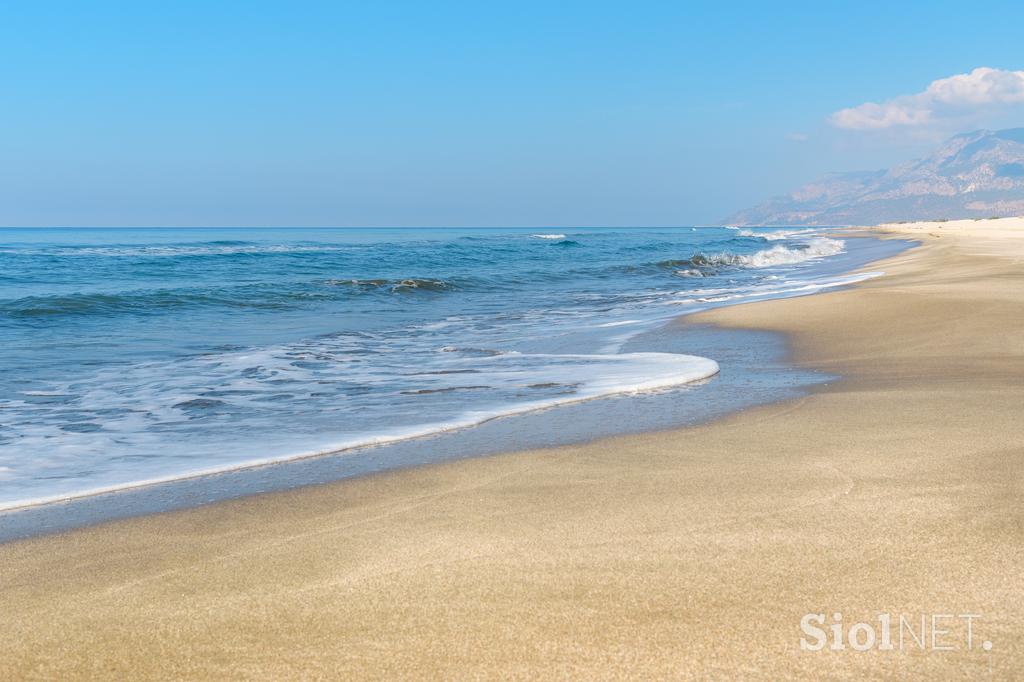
(687, 553)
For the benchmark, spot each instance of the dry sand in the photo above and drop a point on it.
(687, 553)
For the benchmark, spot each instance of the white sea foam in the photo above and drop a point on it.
(785, 288)
(620, 323)
(817, 247)
(548, 236)
(614, 374)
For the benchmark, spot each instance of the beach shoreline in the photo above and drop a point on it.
(758, 374)
(692, 551)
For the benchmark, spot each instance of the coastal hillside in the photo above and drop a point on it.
(973, 175)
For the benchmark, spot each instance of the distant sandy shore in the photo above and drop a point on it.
(689, 553)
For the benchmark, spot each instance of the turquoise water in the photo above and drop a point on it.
(131, 356)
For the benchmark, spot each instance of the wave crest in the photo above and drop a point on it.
(819, 247)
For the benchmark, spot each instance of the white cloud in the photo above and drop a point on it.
(980, 90)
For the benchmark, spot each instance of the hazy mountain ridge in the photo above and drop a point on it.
(973, 175)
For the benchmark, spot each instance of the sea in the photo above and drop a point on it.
(134, 357)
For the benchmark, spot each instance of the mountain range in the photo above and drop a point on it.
(973, 175)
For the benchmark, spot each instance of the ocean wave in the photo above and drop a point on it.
(147, 302)
(818, 247)
(548, 236)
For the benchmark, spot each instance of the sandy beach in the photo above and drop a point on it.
(693, 553)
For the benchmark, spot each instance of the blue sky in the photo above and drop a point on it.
(445, 113)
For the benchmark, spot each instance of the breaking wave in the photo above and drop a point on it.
(818, 247)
